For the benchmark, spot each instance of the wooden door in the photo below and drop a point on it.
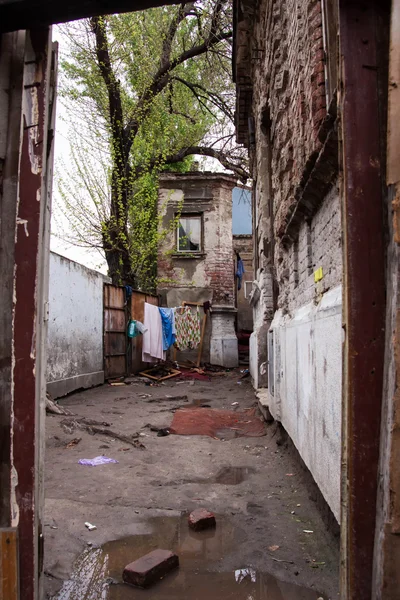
(115, 338)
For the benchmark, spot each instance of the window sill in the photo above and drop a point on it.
(189, 255)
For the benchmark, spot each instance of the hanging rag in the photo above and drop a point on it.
(168, 326)
(239, 271)
(153, 336)
(188, 332)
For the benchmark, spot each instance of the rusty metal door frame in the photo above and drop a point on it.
(24, 265)
(362, 108)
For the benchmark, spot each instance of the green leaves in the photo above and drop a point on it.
(139, 88)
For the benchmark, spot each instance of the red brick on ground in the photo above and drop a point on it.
(201, 518)
(150, 568)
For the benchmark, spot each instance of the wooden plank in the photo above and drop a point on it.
(8, 564)
(203, 330)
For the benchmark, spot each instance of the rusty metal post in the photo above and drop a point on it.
(28, 367)
(362, 108)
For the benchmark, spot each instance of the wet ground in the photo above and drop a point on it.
(269, 543)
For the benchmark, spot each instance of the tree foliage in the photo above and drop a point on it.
(144, 91)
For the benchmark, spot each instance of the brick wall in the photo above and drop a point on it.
(318, 245)
(289, 79)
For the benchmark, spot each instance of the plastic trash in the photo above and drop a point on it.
(98, 460)
(90, 526)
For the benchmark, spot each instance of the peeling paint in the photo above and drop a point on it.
(23, 222)
(14, 503)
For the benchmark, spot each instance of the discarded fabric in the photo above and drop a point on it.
(98, 460)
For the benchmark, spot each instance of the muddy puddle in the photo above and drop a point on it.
(97, 572)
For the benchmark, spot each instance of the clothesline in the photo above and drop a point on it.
(174, 326)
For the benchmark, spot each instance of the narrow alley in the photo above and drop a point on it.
(270, 540)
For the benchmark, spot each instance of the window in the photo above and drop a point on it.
(190, 233)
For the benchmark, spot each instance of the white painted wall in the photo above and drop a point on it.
(307, 387)
(75, 332)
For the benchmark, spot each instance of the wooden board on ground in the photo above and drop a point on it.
(173, 373)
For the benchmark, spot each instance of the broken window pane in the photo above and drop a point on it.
(189, 234)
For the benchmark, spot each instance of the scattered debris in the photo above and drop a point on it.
(93, 427)
(273, 548)
(163, 432)
(242, 574)
(308, 531)
(290, 562)
(73, 442)
(160, 373)
(235, 404)
(90, 526)
(246, 373)
(54, 408)
(118, 383)
(200, 519)
(169, 398)
(150, 568)
(123, 449)
(97, 460)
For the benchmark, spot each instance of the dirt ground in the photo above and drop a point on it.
(270, 541)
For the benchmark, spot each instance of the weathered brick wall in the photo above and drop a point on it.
(288, 92)
(318, 245)
(213, 270)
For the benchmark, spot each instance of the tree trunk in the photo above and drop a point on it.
(115, 233)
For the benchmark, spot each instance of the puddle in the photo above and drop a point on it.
(233, 475)
(195, 579)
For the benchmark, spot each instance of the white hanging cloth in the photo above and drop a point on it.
(152, 338)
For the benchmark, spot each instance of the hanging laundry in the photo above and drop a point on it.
(188, 332)
(168, 326)
(153, 336)
(239, 271)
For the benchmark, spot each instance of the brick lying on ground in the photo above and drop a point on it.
(150, 568)
(201, 518)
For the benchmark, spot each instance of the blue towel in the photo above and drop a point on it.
(167, 322)
(240, 272)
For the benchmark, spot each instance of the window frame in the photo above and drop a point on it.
(190, 215)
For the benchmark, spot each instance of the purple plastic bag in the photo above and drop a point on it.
(98, 460)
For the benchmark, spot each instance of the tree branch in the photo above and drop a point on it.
(226, 161)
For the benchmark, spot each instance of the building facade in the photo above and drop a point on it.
(286, 116)
(196, 257)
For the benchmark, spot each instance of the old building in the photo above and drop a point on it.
(286, 116)
(197, 256)
(312, 91)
